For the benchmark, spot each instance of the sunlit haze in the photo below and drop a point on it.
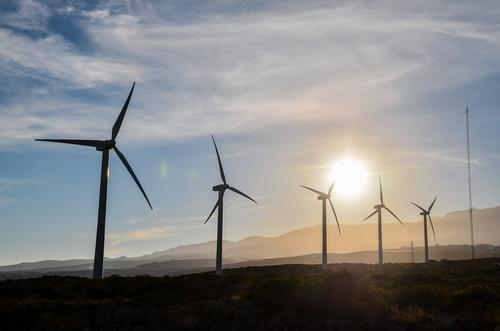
(350, 176)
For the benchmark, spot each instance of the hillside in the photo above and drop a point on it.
(179, 267)
(450, 295)
(451, 229)
(358, 244)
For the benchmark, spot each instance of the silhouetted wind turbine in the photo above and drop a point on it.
(378, 210)
(323, 197)
(104, 146)
(427, 213)
(221, 188)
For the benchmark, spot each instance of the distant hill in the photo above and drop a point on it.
(357, 245)
(188, 266)
(452, 229)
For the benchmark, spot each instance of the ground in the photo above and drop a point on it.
(446, 295)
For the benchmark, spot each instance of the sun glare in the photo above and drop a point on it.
(349, 175)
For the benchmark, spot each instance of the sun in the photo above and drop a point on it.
(350, 177)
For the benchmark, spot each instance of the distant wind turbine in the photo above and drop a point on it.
(378, 210)
(105, 146)
(323, 197)
(427, 214)
(221, 188)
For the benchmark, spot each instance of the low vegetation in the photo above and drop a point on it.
(454, 295)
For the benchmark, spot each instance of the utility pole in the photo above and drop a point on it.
(412, 253)
(471, 221)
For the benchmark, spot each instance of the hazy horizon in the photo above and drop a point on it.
(287, 89)
(304, 241)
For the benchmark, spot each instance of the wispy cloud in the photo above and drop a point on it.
(443, 156)
(7, 186)
(152, 233)
(252, 69)
(58, 60)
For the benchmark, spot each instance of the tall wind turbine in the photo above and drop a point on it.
(105, 146)
(324, 197)
(221, 188)
(378, 210)
(427, 214)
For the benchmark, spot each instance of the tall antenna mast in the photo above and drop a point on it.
(471, 221)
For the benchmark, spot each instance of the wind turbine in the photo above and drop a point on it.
(378, 210)
(221, 188)
(427, 214)
(323, 197)
(105, 146)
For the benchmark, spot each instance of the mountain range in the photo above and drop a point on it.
(357, 245)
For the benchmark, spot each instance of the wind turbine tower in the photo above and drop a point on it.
(105, 146)
(426, 213)
(378, 211)
(324, 197)
(221, 189)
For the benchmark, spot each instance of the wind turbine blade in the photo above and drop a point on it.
(432, 204)
(331, 188)
(390, 211)
(241, 193)
(119, 120)
(311, 189)
(129, 168)
(422, 209)
(212, 212)
(367, 217)
(432, 227)
(91, 143)
(335, 214)
(221, 170)
(380, 186)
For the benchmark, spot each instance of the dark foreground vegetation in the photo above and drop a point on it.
(458, 295)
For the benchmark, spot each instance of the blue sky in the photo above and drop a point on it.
(285, 88)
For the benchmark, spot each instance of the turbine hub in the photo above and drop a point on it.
(323, 197)
(379, 206)
(220, 187)
(106, 144)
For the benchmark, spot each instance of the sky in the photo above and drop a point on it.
(286, 88)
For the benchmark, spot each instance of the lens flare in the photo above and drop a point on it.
(350, 177)
(164, 169)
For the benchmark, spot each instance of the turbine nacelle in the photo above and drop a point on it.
(380, 206)
(220, 187)
(106, 144)
(324, 197)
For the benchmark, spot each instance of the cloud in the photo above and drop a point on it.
(7, 185)
(443, 156)
(152, 233)
(30, 16)
(10, 183)
(58, 60)
(250, 69)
